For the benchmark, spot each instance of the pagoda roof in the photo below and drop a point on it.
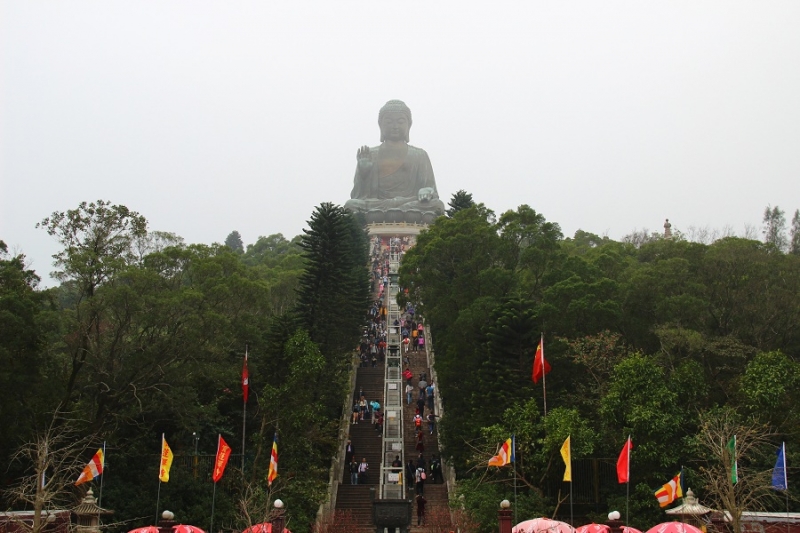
(690, 506)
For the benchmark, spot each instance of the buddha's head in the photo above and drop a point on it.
(394, 120)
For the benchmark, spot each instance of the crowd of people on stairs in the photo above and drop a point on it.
(372, 352)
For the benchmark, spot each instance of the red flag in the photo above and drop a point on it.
(245, 378)
(624, 462)
(221, 461)
(540, 365)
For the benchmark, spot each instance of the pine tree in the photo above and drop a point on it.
(460, 200)
(234, 242)
(333, 291)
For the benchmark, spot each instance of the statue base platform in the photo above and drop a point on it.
(395, 229)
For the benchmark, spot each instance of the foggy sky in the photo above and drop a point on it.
(207, 117)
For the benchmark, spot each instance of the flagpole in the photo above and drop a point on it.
(785, 483)
(628, 482)
(244, 411)
(158, 498)
(213, 501)
(102, 476)
(569, 469)
(514, 456)
(786, 492)
(544, 375)
(571, 515)
(627, 499)
(214, 496)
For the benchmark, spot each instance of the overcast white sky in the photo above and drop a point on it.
(212, 116)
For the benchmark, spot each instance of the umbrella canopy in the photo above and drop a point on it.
(266, 527)
(593, 528)
(184, 528)
(626, 529)
(148, 529)
(542, 525)
(674, 527)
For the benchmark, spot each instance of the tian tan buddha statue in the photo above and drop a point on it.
(394, 181)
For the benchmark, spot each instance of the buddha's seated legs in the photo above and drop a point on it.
(403, 204)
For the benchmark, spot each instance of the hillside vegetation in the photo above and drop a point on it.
(659, 339)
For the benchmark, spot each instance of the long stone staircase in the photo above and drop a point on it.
(366, 444)
(355, 501)
(435, 494)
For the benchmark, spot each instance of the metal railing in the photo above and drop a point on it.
(392, 483)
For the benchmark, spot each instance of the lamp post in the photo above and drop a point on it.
(196, 438)
(504, 516)
(614, 522)
(167, 522)
(278, 520)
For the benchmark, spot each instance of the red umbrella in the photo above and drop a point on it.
(594, 528)
(542, 525)
(184, 528)
(266, 527)
(674, 527)
(148, 529)
(626, 529)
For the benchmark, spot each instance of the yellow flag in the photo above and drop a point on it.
(567, 456)
(166, 460)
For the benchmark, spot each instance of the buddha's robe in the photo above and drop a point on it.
(397, 189)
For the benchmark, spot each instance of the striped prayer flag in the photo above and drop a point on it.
(273, 462)
(93, 469)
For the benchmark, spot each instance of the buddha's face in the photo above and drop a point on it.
(394, 126)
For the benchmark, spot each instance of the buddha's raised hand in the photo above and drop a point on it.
(364, 160)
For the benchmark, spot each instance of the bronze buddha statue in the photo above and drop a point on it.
(394, 181)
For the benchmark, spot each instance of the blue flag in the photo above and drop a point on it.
(513, 449)
(779, 481)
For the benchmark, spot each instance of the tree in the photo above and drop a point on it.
(52, 462)
(794, 233)
(306, 400)
(642, 401)
(274, 250)
(98, 241)
(530, 245)
(460, 200)
(641, 237)
(775, 227)
(24, 323)
(234, 242)
(508, 355)
(752, 489)
(333, 293)
(769, 386)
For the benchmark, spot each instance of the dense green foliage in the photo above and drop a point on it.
(642, 340)
(648, 337)
(146, 335)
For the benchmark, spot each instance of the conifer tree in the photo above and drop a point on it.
(334, 289)
(234, 242)
(460, 200)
